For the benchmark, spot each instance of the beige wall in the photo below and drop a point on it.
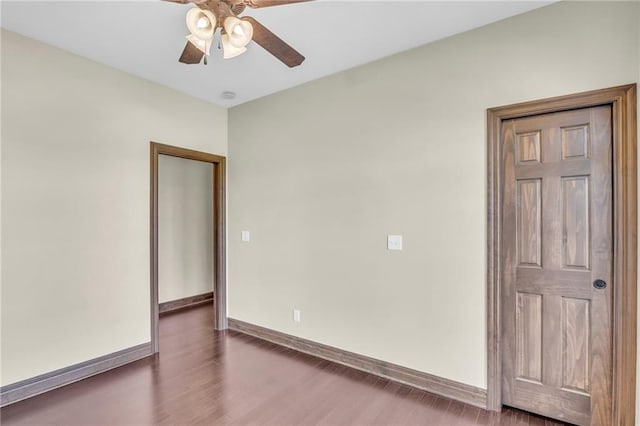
(185, 228)
(75, 207)
(321, 173)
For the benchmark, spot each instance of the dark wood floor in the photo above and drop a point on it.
(227, 378)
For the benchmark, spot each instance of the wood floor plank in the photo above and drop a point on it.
(204, 377)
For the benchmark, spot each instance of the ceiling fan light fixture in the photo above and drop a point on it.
(207, 16)
(229, 50)
(203, 45)
(201, 23)
(240, 32)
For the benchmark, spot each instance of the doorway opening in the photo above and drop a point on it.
(505, 257)
(185, 229)
(218, 227)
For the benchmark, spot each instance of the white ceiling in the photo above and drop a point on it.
(145, 38)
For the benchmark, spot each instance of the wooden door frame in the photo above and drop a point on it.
(219, 229)
(624, 128)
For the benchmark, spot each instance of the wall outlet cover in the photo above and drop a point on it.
(246, 236)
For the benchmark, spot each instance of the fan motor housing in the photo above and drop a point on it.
(238, 8)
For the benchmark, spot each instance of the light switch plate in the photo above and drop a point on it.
(394, 242)
(246, 236)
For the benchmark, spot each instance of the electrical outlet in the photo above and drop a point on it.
(246, 236)
(296, 315)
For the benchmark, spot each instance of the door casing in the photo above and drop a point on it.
(219, 230)
(624, 131)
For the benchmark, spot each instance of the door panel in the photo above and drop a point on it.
(575, 222)
(529, 222)
(557, 239)
(529, 335)
(575, 344)
(528, 147)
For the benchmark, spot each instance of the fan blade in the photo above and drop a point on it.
(268, 3)
(191, 54)
(274, 44)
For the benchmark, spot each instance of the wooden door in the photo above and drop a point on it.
(557, 241)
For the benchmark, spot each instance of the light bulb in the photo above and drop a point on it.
(237, 30)
(203, 22)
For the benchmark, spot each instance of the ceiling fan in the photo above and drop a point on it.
(236, 32)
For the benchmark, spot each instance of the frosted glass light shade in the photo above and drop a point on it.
(229, 50)
(201, 23)
(240, 32)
